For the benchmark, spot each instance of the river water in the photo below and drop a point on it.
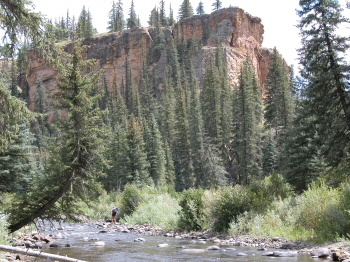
(121, 247)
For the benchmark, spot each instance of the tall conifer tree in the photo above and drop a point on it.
(326, 74)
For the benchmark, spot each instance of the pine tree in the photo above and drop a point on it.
(247, 123)
(200, 8)
(112, 15)
(41, 128)
(14, 80)
(17, 20)
(171, 20)
(162, 15)
(169, 168)
(168, 113)
(76, 154)
(132, 20)
(278, 110)
(155, 153)
(211, 103)
(325, 72)
(136, 165)
(116, 153)
(153, 17)
(269, 155)
(182, 153)
(216, 5)
(185, 10)
(15, 143)
(120, 16)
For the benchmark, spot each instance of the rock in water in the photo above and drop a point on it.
(192, 250)
(99, 243)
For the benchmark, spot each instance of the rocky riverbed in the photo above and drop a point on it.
(281, 247)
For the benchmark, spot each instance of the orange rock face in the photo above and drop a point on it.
(240, 35)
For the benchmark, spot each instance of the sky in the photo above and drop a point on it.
(278, 17)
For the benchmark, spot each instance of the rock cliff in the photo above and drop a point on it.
(240, 35)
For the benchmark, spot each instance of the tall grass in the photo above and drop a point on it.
(159, 210)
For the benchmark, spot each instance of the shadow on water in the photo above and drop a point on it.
(121, 247)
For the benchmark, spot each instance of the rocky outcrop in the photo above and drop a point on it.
(240, 35)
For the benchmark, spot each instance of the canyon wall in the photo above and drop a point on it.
(240, 35)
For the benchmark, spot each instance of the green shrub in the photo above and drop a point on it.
(191, 212)
(232, 202)
(101, 207)
(159, 210)
(130, 200)
(269, 189)
(318, 210)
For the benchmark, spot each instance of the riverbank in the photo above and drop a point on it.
(337, 251)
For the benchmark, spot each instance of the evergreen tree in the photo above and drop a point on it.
(171, 20)
(15, 143)
(14, 80)
(154, 17)
(41, 128)
(85, 27)
(112, 15)
(168, 113)
(278, 102)
(211, 103)
(132, 20)
(216, 5)
(136, 165)
(115, 173)
(76, 154)
(200, 8)
(17, 20)
(162, 15)
(156, 154)
(247, 123)
(169, 168)
(269, 155)
(120, 17)
(326, 75)
(185, 10)
(182, 153)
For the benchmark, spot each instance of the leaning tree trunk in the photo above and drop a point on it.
(37, 253)
(40, 211)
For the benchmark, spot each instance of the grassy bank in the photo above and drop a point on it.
(264, 208)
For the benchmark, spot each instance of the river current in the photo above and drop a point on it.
(121, 247)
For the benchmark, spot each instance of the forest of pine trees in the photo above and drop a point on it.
(182, 136)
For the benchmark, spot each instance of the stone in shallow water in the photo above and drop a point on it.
(99, 243)
(240, 254)
(192, 250)
(268, 254)
(213, 248)
(285, 254)
(140, 239)
(321, 252)
(163, 245)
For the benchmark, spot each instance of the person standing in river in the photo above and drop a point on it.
(114, 214)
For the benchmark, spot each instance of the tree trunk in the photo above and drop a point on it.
(38, 253)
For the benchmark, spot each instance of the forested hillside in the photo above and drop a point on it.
(191, 109)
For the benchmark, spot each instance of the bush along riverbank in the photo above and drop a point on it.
(262, 208)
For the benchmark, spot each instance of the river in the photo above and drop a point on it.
(121, 247)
